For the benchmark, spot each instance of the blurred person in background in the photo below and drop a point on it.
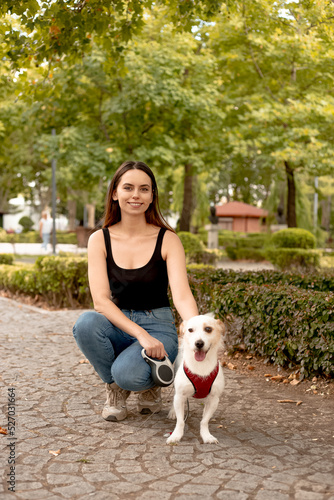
(45, 229)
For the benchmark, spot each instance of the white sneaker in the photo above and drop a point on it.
(115, 406)
(149, 401)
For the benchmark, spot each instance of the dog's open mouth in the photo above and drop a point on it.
(200, 355)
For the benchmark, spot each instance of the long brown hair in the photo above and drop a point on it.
(112, 213)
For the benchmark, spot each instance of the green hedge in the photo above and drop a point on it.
(289, 258)
(62, 282)
(195, 250)
(293, 238)
(288, 325)
(291, 325)
(243, 240)
(34, 237)
(321, 282)
(6, 258)
(255, 254)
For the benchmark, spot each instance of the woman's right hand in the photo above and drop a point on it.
(153, 347)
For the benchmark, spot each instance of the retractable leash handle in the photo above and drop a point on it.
(162, 370)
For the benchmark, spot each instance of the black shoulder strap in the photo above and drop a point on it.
(157, 251)
(107, 242)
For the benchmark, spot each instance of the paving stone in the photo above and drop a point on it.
(232, 495)
(75, 489)
(201, 489)
(308, 495)
(268, 494)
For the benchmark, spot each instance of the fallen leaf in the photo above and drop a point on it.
(295, 382)
(3, 431)
(249, 356)
(286, 401)
(250, 367)
(231, 366)
(277, 378)
(268, 375)
(219, 427)
(83, 361)
(285, 381)
(55, 453)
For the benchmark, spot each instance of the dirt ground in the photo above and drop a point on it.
(258, 367)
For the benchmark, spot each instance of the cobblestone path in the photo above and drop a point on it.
(267, 450)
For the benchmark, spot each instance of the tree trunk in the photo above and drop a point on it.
(187, 199)
(72, 209)
(291, 208)
(91, 215)
(326, 213)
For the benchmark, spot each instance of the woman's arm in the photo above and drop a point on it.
(177, 275)
(100, 291)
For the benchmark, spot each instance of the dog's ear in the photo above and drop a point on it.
(182, 328)
(221, 326)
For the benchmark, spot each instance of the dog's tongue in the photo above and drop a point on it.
(200, 355)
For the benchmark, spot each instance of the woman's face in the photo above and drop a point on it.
(134, 192)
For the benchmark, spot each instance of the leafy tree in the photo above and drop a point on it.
(276, 75)
(67, 27)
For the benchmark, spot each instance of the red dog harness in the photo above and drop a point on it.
(202, 385)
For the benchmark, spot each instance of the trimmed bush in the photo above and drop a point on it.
(62, 282)
(289, 326)
(26, 223)
(293, 238)
(195, 250)
(321, 282)
(6, 258)
(245, 253)
(289, 258)
(69, 238)
(191, 242)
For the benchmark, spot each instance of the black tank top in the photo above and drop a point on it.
(144, 288)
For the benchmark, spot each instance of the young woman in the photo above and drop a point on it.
(130, 262)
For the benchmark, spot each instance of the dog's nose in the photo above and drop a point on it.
(199, 344)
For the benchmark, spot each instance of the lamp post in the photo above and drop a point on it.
(54, 199)
(315, 207)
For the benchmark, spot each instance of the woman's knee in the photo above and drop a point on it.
(88, 323)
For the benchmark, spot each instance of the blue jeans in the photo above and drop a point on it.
(46, 240)
(115, 355)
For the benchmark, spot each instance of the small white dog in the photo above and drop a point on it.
(199, 373)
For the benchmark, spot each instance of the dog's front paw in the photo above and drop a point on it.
(209, 439)
(171, 414)
(174, 438)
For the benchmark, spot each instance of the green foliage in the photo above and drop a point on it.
(61, 281)
(289, 258)
(246, 253)
(195, 250)
(321, 282)
(248, 246)
(289, 326)
(293, 238)
(66, 238)
(6, 258)
(34, 237)
(191, 243)
(26, 223)
(283, 317)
